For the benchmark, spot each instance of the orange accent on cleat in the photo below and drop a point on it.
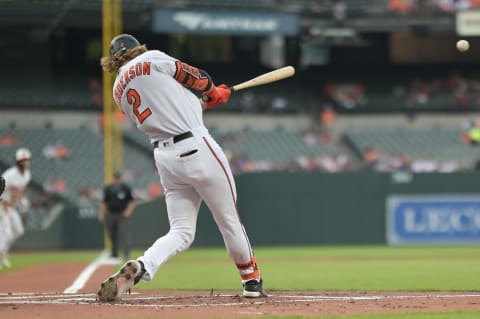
(253, 275)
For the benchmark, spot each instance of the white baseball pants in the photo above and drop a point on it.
(11, 227)
(193, 170)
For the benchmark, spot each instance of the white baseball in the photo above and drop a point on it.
(463, 45)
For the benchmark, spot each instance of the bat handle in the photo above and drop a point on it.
(231, 88)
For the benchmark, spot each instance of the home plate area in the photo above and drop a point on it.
(211, 304)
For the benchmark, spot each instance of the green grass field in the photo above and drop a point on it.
(331, 268)
(320, 268)
(445, 315)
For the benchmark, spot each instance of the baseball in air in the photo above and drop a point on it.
(463, 45)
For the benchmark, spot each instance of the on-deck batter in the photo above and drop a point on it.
(16, 181)
(153, 90)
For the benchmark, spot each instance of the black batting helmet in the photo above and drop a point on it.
(122, 43)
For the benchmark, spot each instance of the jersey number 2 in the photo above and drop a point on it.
(133, 98)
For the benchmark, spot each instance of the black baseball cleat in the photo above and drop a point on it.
(120, 282)
(254, 289)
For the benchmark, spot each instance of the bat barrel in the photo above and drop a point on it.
(266, 78)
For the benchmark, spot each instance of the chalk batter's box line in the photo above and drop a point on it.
(62, 299)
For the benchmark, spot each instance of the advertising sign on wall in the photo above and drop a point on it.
(218, 22)
(434, 219)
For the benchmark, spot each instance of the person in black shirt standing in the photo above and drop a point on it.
(115, 211)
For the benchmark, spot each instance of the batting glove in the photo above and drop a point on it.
(217, 95)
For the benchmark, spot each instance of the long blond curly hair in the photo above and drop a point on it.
(113, 63)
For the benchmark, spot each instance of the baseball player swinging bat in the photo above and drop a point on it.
(266, 78)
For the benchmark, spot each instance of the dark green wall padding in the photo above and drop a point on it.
(276, 209)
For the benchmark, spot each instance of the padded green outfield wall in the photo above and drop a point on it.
(318, 208)
(276, 209)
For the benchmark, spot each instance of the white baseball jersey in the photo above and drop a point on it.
(176, 109)
(15, 181)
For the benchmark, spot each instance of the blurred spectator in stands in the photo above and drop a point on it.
(399, 91)
(320, 162)
(305, 163)
(401, 163)
(130, 174)
(400, 6)
(279, 104)
(262, 103)
(419, 93)
(155, 190)
(453, 81)
(240, 163)
(233, 137)
(461, 5)
(471, 133)
(476, 165)
(317, 7)
(446, 5)
(59, 185)
(424, 165)
(95, 86)
(345, 95)
(327, 164)
(97, 100)
(8, 139)
(56, 152)
(55, 185)
(140, 193)
(315, 136)
(474, 4)
(448, 167)
(85, 200)
(327, 119)
(84, 194)
(339, 11)
(96, 193)
(247, 102)
(375, 159)
(262, 166)
(309, 138)
(461, 100)
(118, 117)
(411, 111)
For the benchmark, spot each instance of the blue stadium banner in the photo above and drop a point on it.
(224, 22)
(434, 219)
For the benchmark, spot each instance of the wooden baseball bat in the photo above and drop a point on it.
(269, 77)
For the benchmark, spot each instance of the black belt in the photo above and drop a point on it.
(177, 138)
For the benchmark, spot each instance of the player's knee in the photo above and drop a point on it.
(186, 237)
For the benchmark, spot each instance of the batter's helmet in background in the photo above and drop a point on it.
(22, 154)
(122, 43)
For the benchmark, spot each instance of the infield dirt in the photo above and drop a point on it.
(37, 292)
